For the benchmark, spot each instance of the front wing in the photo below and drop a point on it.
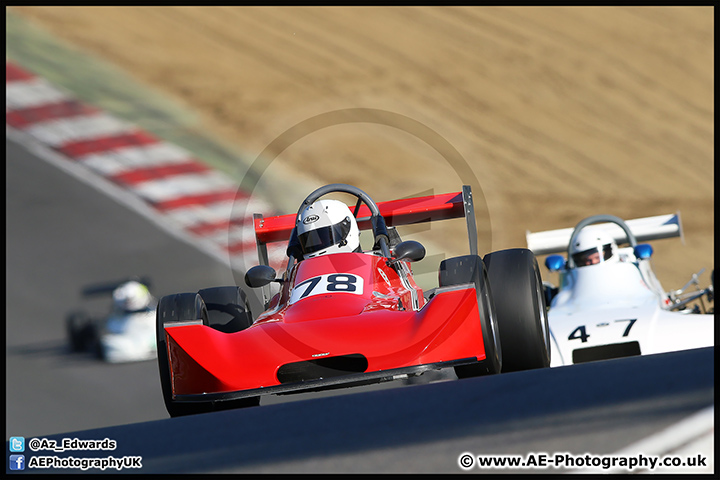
(208, 365)
(343, 381)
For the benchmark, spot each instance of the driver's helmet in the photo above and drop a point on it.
(592, 246)
(131, 297)
(327, 226)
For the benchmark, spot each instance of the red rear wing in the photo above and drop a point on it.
(395, 212)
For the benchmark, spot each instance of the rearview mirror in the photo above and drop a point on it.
(555, 262)
(643, 250)
(409, 251)
(259, 276)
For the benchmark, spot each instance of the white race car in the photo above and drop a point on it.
(609, 302)
(126, 334)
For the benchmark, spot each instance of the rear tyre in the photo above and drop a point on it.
(81, 331)
(94, 341)
(183, 307)
(471, 269)
(520, 307)
(74, 324)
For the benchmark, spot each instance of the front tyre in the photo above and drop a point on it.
(227, 308)
(471, 269)
(183, 307)
(175, 308)
(520, 308)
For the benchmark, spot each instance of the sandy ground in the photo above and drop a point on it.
(555, 113)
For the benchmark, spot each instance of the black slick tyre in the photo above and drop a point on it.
(520, 308)
(183, 307)
(227, 307)
(470, 269)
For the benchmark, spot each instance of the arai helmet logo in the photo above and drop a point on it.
(311, 219)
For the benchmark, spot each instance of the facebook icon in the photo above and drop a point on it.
(17, 462)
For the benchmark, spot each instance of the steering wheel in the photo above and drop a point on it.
(379, 229)
(599, 219)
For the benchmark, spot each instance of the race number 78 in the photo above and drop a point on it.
(331, 283)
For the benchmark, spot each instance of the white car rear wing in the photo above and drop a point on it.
(644, 229)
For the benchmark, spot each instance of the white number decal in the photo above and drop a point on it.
(332, 283)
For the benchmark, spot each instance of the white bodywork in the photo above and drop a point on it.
(129, 337)
(615, 309)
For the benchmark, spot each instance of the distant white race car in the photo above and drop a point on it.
(126, 333)
(609, 302)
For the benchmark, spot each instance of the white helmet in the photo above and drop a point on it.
(592, 246)
(132, 296)
(327, 226)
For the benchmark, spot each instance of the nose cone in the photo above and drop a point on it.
(325, 306)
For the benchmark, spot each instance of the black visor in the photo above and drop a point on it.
(581, 258)
(324, 237)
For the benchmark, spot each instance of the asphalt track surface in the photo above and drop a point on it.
(63, 234)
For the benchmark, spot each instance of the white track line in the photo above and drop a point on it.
(688, 438)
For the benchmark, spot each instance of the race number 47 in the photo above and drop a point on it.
(580, 333)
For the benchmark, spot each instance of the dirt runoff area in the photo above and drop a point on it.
(556, 113)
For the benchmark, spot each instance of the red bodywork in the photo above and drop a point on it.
(349, 311)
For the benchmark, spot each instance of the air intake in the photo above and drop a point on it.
(605, 352)
(325, 367)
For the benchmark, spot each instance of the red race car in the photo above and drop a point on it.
(344, 316)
